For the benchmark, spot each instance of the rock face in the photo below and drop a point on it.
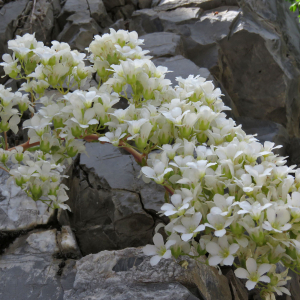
(111, 207)
(33, 264)
(17, 210)
(127, 274)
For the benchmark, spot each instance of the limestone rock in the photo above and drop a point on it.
(40, 21)
(17, 210)
(204, 4)
(259, 63)
(110, 4)
(162, 44)
(127, 274)
(29, 265)
(79, 31)
(90, 8)
(10, 14)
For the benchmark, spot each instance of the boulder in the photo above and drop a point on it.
(111, 207)
(204, 4)
(260, 62)
(17, 210)
(79, 31)
(127, 274)
(162, 44)
(90, 8)
(37, 267)
(110, 4)
(40, 20)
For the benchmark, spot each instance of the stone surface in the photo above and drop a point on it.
(10, 14)
(90, 8)
(127, 274)
(259, 63)
(266, 131)
(17, 210)
(162, 44)
(40, 21)
(30, 265)
(205, 4)
(111, 207)
(79, 31)
(110, 4)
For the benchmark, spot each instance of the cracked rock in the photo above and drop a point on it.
(127, 274)
(29, 265)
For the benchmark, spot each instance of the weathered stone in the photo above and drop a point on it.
(110, 4)
(179, 65)
(127, 274)
(144, 4)
(29, 265)
(259, 63)
(40, 21)
(238, 289)
(17, 210)
(180, 15)
(204, 4)
(162, 44)
(90, 8)
(10, 14)
(145, 21)
(266, 131)
(200, 38)
(123, 12)
(67, 242)
(79, 31)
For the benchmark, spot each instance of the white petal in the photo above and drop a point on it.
(251, 265)
(213, 248)
(170, 243)
(149, 250)
(233, 248)
(264, 268)
(241, 273)
(250, 285)
(168, 254)
(158, 240)
(180, 228)
(186, 236)
(228, 261)
(215, 260)
(149, 172)
(155, 260)
(265, 279)
(220, 233)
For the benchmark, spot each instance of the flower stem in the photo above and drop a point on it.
(4, 169)
(5, 138)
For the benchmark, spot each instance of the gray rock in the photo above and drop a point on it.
(29, 265)
(162, 44)
(180, 15)
(204, 4)
(144, 4)
(10, 15)
(110, 4)
(17, 210)
(67, 244)
(40, 21)
(266, 131)
(259, 63)
(90, 8)
(79, 31)
(180, 66)
(127, 274)
(145, 21)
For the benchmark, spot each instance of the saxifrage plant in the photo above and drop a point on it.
(229, 198)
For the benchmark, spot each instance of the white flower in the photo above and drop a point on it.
(278, 218)
(156, 173)
(218, 223)
(254, 209)
(190, 226)
(253, 274)
(159, 249)
(221, 252)
(178, 207)
(223, 205)
(86, 119)
(113, 137)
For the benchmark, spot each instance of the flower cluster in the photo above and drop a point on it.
(227, 196)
